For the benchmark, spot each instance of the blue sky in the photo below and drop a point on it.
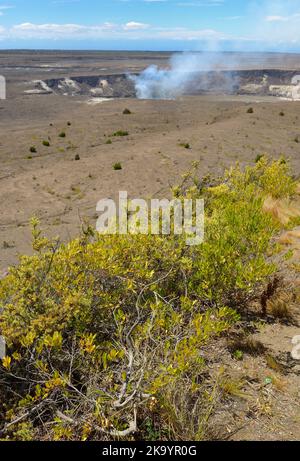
(265, 25)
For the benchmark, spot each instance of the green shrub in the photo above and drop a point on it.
(46, 143)
(62, 134)
(33, 149)
(250, 110)
(117, 166)
(120, 133)
(126, 112)
(186, 145)
(270, 178)
(276, 178)
(105, 332)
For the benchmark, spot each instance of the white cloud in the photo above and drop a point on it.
(276, 18)
(131, 30)
(136, 26)
(273, 22)
(276, 23)
(3, 8)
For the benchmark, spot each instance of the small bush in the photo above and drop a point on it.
(121, 133)
(117, 166)
(33, 149)
(62, 134)
(46, 143)
(250, 110)
(238, 355)
(6, 245)
(108, 142)
(282, 114)
(77, 157)
(126, 112)
(186, 145)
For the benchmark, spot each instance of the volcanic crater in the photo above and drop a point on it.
(265, 82)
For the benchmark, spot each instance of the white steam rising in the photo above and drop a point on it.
(155, 83)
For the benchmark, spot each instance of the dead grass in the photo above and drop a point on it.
(291, 238)
(279, 306)
(247, 345)
(232, 387)
(279, 383)
(273, 364)
(263, 406)
(282, 209)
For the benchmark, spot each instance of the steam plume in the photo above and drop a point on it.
(155, 83)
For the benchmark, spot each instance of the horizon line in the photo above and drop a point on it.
(91, 50)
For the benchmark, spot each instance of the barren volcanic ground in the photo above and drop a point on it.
(62, 191)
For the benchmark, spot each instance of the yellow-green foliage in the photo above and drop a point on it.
(273, 178)
(109, 327)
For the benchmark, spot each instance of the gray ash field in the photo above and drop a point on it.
(83, 95)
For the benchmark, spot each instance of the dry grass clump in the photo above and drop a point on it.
(278, 299)
(283, 210)
(247, 345)
(232, 387)
(280, 305)
(273, 364)
(291, 238)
